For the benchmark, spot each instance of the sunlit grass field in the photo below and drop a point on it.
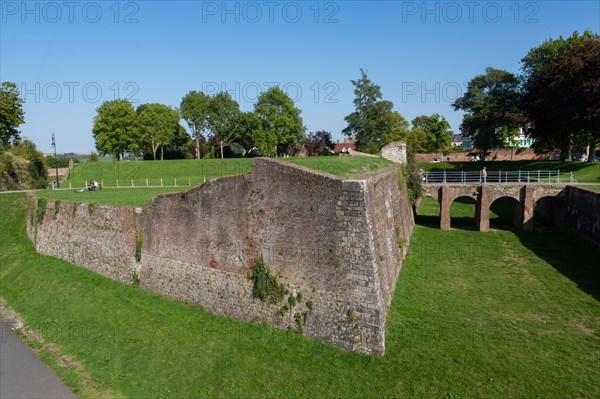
(474, 315)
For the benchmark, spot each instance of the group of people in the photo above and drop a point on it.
(94, 185)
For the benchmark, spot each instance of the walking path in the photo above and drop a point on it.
(22, 373)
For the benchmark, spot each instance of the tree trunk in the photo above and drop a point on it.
(592, 150)
(162, 153)
(154, 149)
(197, 146)
(221, 150)
(120, 156)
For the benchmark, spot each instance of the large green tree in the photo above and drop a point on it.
(437, 132)
(224, 119)
(195, 110)
(374, 123)
(491, 105)
(249, 125)
(551, 50)
(115, 127)
(157, 124)
(562, 93)
(11, 114)
(281, 130)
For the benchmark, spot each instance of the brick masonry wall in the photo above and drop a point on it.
(493, 155)
(101, 238)
(339, 242)
(583, 212)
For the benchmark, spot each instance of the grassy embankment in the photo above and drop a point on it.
(493, 315)
(182, 172)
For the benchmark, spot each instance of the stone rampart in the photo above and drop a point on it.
(339, 242)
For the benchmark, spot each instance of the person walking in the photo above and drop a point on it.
(484, 175)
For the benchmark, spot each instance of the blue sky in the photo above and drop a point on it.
(69, 57)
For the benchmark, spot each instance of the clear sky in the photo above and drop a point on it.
(68, 57)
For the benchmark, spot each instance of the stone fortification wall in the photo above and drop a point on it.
(338, 242)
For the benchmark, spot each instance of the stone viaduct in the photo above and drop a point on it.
(525, 195)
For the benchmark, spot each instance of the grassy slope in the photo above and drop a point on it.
(112, 196)
(197, 170)
(462, 324)
(182, 170)
(341, 166)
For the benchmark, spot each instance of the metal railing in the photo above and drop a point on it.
(497, 176)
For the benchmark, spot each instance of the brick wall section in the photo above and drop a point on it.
(336, 241)
(101, 238)
(583, 212)
(494, 155)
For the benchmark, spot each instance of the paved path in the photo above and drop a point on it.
(22, 373)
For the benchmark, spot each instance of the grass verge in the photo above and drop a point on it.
(521, 323)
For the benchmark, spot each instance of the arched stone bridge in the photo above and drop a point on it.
(526, 196)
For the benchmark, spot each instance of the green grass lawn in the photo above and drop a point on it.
(521, 323)
(583, 172)
(341, 166)
(198, 171)
(112, 196)
(184, 170)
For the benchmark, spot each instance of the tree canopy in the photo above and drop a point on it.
(491, 105)
(562, 93)
(318, 143)
(115, 127)
(224, 119)
(374, 123)
(195, 110)
(281, 130)
(436, 134)
(11, 114)
(157, 124)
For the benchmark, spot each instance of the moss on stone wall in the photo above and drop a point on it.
(41, 209)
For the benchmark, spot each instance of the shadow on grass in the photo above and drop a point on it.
(570, 255)
(429, 221)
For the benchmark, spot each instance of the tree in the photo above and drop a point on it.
(178, 146)
(11, 114)
(195, 109)
(318, 143)
(224, 119)
(250, 126)
(281, 130)
(551, 50)
(437, 132)
(373, 123)
(114, 127)
(416, 141)
(491, 104)
(36, 169)
(562, 98)
(157, 124)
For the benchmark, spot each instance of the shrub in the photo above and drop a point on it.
(41, 209)
(139, 242)
(266, 287)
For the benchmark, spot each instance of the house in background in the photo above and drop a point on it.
(457, 140)
(521, 141)
(349, 144)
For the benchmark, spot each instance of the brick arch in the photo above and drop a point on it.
(497, 192)
(517, 217)
(547, 191)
